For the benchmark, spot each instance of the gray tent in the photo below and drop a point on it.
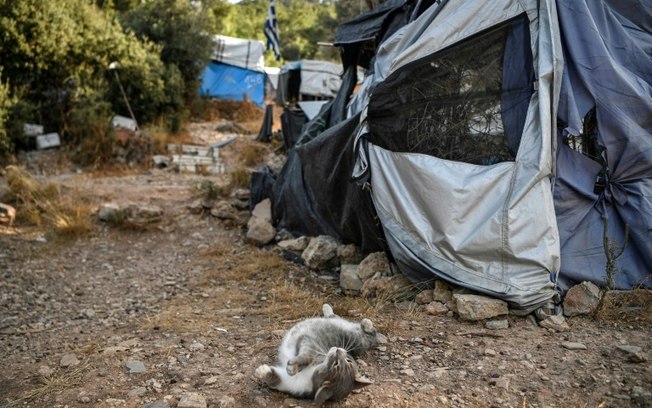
(494, 139)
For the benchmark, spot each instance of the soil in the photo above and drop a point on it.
(201, 309)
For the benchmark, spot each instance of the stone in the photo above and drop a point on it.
(637, 357)
(196, 346)
(192, 400)
(242, 194)
(156, 404)
(555, 322)
(68, 360)
(424, 297)
(108, 212)
(497, 324)
(211, 380)
(226, 402)
(641, 396)
(196, 206)
(45, 371)
(408, 372)
(476, 307)
(374, 263)
(137, 392)
(391, 288)
(442, 292)
(349, 278)
(349, 254)
(436, 308)
(321, 253)
(143, 214)
(570, 345)
(136, 367)
(263, 210)
(260, 232)
(295, 245)
(224, 211)
(581, 299)
(161, 161)
(628, 349)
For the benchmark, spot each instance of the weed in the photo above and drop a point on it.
(240, 178)
(54, 384)
(252, 154)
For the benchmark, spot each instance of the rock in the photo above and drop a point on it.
(241, 194)
(296, 244)
(226, 402)
(555, 322)
(263, 210)
(224, 211)
(136, 367)
(137, 392)
(196, 206)
(501, 382)
(45, 371)
(390, 288)
(349, 278)
(628, 349)
(161, 161)
(570, 345)
(192, 400)
(641, 396)
(211, 380)
(196, 346)
(581, 299)
(442, 292)
(374, 263)
(497, 324)
(259, 231)
(68, 360)
(424, 297)
(490, 352)
(156, 404)
(108, 212)
(436, 308)
(408, 372)
(321, 253)
(476, 307)
(84, 399)
(637, 357)
(349, 254)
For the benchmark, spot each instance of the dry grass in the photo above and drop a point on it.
(631, 306)
(55, 383)
(252, 153)
(240, 178)
(68, 214)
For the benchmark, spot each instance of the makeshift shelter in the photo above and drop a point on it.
(308, 80)
(236, 71)
(489, 145)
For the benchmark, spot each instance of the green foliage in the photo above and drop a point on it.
(56, 52)
(6, 104)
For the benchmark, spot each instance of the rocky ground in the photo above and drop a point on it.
(180, 313)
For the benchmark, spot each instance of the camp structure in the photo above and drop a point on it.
(505, 147)
(236, 71)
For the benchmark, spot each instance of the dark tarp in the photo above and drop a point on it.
(265, 132)
(608, 69)
(292, 121)
(261, 186)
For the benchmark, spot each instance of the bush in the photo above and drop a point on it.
(6, 103)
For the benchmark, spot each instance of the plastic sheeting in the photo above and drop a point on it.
(248, 54)
(608, 67)
(233, 83)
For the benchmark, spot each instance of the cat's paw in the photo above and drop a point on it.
(293, 367)
(267, 375)
(263, 371)
(367, 326)
(327, 310)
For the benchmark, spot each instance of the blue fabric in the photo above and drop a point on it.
(607, 66)
(233, 83)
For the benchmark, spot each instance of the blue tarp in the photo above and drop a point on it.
(608, 69)
(228, 82)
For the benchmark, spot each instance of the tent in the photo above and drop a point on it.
(236, 71)
(308, 80)
(489, 146)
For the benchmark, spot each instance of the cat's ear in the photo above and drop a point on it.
(323, 394)
(362, 381)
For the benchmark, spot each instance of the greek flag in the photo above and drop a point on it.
(271, 30)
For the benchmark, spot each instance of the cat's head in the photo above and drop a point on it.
(336, 376)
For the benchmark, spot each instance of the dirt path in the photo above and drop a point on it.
(144, 318)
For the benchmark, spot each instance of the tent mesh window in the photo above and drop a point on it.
(587, 141)
(465, 103)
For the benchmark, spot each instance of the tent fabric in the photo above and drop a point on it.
(238, 52)
(233, 83)
(466, 222)
(608, 71)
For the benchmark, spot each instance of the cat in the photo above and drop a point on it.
(315, 359)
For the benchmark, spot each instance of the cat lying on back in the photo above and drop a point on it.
(315, 359)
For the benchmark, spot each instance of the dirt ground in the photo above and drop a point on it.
(143, 317)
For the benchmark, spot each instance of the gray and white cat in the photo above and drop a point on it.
(315, 359)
